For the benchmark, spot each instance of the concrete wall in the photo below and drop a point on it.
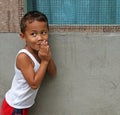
(88, 76)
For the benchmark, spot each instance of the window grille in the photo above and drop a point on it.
(78, 15)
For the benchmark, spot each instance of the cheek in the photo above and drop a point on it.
(32, 42)
(32, 39)
(46, 37)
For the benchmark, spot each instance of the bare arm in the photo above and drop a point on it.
(25, 64)
(51, 69)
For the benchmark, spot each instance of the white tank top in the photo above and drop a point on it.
(21, 95)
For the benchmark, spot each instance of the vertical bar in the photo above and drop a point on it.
(117, 11)
(25, 5)
(94, 11)
(112, 11)
(103, 12)
(45, 7)
(34, 4)
(57, 15)
(82, 12)
(29, 5)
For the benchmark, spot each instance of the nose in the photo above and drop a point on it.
(39, 37)
(42, 38)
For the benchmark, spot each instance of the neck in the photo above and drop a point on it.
(34, 53)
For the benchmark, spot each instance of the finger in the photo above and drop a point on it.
(44, 42)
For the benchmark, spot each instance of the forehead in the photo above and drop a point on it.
(36, 25)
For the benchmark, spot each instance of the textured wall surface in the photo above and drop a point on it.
(88, 76)
(9, 15)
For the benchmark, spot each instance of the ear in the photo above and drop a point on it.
(22, 35)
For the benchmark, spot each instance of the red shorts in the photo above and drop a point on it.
(8, 110)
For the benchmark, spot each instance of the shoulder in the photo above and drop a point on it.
(23, 59)
(23, 56)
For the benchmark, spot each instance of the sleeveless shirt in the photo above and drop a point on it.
(21, 95)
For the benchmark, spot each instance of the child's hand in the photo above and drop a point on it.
(44, 53)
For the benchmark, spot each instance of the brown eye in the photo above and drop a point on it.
(34, 34)
(44, 33)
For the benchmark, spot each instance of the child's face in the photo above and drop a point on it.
(35, 33)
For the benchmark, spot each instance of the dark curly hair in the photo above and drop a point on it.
(32, 16)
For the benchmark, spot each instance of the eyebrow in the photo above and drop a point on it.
(40, 30)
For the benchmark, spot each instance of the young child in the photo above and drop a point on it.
(32, 63)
